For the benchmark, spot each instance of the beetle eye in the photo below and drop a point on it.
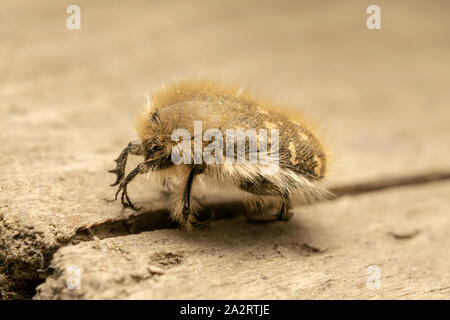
(152, 149)
(156, 148)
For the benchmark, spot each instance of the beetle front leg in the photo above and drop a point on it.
(141, 168)
(134, 148)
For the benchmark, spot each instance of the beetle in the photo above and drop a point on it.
(300, 158)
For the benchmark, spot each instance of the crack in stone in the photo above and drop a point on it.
(155, 220)
(387, 183)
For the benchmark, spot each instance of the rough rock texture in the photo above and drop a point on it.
(321, 253)
(68, 101)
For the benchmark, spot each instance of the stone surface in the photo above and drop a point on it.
(69, 98)
(323, 252)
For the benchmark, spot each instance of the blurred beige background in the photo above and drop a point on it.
(370, 89)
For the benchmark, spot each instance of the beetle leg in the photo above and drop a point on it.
(285, 214)
(134, 148)
(141, 168)
(187, 190)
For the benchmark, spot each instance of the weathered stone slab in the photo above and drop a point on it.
(69, 99)
(323, 252)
